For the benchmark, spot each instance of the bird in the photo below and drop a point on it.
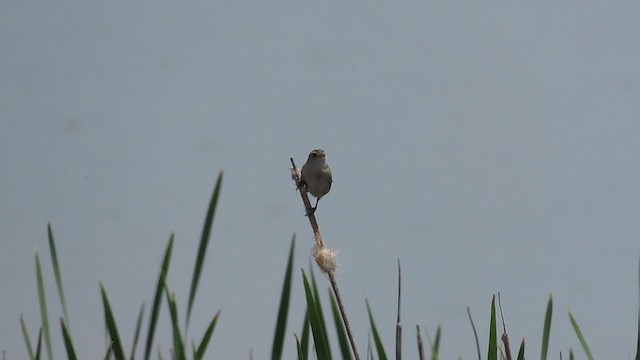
(316, 176)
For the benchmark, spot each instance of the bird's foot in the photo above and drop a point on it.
(311, 211)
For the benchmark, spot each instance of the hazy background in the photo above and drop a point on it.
(491, 147)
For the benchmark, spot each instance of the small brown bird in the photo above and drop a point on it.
(316, 175)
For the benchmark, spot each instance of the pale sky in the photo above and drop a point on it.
(490, 147)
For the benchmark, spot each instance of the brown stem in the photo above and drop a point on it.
(296, 176)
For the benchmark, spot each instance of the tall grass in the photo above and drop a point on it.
(314, 332)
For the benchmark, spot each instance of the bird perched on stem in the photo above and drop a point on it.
(316, 176)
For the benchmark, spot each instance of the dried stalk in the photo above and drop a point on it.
(325, 258)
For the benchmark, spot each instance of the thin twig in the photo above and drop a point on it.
(505, 336)
(420, 343)
(398, 324)
(320, 249)
(475, 333)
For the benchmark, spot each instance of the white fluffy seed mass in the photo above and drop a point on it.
(326, 260)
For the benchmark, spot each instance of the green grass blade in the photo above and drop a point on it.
(638, 341)
(299, 348)
(202, 348)
(343, 340)
(157, 299)
(547, 329)
(319, 311)
(521, 351)
(319, 336)
(283, 311)
(136, 334)
(492, 354)
(178, 344)
(583, 342)
(68, 344)
(27, 340)
(202, 250)
(118, 352)
(382, 355)
(107, 356)
(43, 308)
(570, 354)
(56, 272)
(304, 342)
(435, 347)
(369, 349)
(39, 345)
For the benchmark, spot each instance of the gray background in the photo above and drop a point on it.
(491, 147)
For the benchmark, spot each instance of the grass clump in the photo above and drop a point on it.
(314, 332)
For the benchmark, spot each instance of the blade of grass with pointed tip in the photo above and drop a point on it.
(420, 343)
(136, 334)
(492, 354)
(304, 342)
(56, 272)
(583, 342)
(343, 341)
(283, 311)
(178, 344)
(547, 329)
(107, 356)
(435, 349)
(118, 352)
(382, 355)
(68, 344)
(521, 351)
(318, 303)
(202, 348)
(39, 345)
(202, 249)
(43, 308)
(319, 336)
(638, 341)
(27, 340)
(299, 348)
(157, 299)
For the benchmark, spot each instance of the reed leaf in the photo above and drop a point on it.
(204, 343)
(304, 341)
(56, 272)
(136, 334)
(157, 299)
(118, 351)
(178, 344)
(299, 348)
(343, 340)
(382, 355)
(38, 346)
(547, 329)
(68, 344)
(43, 308)
(492, 353)
(202, 249)
(580, 336)
(318, 330)
(107, 356)
(319, 311)
(283, 310)
(521, 351)
(27, 340)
